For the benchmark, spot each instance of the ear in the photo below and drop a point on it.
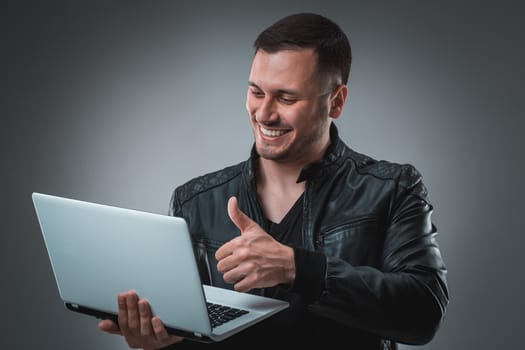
(338, 101)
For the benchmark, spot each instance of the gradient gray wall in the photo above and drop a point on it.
(120, 101)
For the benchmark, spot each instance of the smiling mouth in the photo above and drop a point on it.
(272, 133)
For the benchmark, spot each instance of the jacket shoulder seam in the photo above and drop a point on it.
(405, 174)
(207, 182)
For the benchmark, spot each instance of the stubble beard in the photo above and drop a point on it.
(294, 152)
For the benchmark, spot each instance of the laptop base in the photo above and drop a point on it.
(103, 315)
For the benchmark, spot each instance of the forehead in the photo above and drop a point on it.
(293, 69)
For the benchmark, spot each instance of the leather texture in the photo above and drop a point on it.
(370, 219)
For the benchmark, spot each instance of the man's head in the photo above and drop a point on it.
(297, 86)
(309, 30)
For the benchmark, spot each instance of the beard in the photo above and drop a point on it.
(303, 148)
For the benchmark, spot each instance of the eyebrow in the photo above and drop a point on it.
(278, 92)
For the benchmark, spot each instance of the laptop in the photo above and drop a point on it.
(98, 251)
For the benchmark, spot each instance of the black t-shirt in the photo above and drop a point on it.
(288, 231)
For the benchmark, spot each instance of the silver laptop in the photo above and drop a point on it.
(97, 251)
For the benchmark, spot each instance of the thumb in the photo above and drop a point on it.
(241, 220)
(109, 326)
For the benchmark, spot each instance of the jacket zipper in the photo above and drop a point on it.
(320, 239)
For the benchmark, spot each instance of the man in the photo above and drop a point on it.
(346, 239)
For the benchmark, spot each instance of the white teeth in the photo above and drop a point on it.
(272, 133)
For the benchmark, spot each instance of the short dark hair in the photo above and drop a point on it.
(310, 30)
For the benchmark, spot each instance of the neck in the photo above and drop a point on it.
(281, 177)
(277, 188)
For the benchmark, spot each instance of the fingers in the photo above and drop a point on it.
(122, 313)
(134, 315)
(239, 258)
(224, 251)
(145, 318)
(245, 284)
(132, 300)
(225, 261)
(236, 274)
(137, 324)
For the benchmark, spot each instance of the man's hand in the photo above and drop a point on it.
(254, 259)
(137, 324)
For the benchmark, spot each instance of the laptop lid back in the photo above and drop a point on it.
(146, 250)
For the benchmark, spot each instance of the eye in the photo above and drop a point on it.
(287, 100)
(257, 93)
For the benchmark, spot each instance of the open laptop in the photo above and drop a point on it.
(97, 251)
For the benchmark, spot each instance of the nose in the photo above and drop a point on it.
(265, 111)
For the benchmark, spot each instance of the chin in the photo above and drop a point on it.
(274, 155)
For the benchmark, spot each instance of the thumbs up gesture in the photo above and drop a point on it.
(254, 259)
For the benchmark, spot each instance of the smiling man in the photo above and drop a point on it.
(346, 239)
(292, 106)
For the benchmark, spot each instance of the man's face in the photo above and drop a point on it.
(289, 106)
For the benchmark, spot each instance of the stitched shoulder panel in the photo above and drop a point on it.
(206, 182)
(412, 180)
(406, 175)
(360, 160)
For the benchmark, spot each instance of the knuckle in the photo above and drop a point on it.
(243, 253)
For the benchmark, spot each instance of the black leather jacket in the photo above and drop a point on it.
(370, 265)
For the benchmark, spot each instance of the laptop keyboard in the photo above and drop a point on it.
(219, 314)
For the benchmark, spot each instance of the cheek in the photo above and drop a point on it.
(251, 105)
(322, 107)
(307, 121)
(298, 116)
(247, 104)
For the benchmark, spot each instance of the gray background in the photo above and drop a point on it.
(119, 102)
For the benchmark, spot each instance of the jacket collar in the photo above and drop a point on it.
(334, 151)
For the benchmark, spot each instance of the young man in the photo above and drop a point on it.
(346, 239)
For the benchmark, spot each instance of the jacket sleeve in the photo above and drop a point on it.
(403, 300)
